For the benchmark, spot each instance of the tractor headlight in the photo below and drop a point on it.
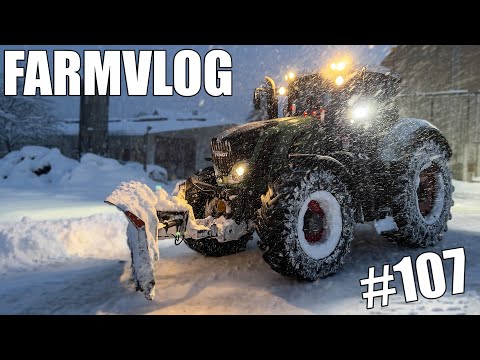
(362, 112)
(238, 173)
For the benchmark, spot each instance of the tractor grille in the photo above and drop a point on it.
(222, 156)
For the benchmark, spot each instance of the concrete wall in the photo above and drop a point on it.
(181, 152)
(436, 67)
(458, 117)
(202, 137)
(427, 70)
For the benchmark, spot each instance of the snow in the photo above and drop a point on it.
(92, 176)
(63, 264)
(18, 167)
(163, 120)
(140, 200)
(384, 225)
(393, 144)
(30, 242)
(27, 244)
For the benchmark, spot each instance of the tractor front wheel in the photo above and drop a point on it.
(306, 224)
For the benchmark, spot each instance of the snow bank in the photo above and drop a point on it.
(31, 243)
(38, 167)
(34, 166)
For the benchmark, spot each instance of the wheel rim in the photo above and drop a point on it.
(430, 193)
(314, 223)
(319, 227)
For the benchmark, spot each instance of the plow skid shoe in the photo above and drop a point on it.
(137, 202)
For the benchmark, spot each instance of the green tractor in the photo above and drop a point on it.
(340, 156)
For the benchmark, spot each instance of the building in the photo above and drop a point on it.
(442, 85)
(93, 129)
(176, 140)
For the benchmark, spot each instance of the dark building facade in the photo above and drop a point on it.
(428, 68)
(441, 84)
(93, 134)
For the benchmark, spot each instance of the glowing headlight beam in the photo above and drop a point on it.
(339, 80)
(240, 170)
(341, 66)
(282, 91)
(360, 112)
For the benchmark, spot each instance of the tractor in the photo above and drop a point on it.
(340, 155)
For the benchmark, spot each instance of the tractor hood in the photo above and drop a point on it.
(238, 143)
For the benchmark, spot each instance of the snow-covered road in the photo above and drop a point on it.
(189, 283)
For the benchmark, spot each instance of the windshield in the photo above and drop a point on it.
(310, 94)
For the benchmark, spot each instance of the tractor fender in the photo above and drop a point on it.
(406, 133)
(313, 161)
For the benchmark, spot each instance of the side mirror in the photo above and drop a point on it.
(272, 100)
(266, 97)
(257, 98)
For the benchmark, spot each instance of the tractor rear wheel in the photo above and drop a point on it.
(422, 197)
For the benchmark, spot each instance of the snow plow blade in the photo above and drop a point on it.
(143, 271)
(155, 216)
(137, 201)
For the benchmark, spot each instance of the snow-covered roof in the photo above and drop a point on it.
(159, 121)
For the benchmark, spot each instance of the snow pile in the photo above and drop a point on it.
(35, 166)
(108, 173)
(29, 243)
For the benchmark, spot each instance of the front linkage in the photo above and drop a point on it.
(158, 216)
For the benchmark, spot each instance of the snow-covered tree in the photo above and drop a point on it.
(24, 120)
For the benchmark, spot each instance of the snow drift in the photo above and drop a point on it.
(35, 166)
(29, 243)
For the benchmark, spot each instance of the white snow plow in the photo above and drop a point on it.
(154, 216)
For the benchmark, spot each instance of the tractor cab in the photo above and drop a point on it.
(358, 95)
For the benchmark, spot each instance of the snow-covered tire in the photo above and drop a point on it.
(211, 246)
(422, 197)
(198, 201)
(281, 228)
